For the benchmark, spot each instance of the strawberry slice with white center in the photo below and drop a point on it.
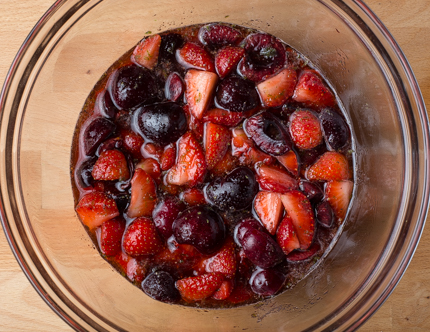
(95, 208)
(286, 235)
(199, 287)
(300, 210)
(269, 209)
(190, 164)
(199, 88)
(146, 52)
(276, 90)
(311, 91)
(224, 261)
(143, 195)
(227, 58)
(290, 162)
(274, 179)
(338, 194)
(331, 166)
(216, 142)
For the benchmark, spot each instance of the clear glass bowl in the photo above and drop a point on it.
(76, 41)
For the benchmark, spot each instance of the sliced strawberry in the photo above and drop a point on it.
(274, 179)
(305, 129)
(331, 166)
(193, 196)
(135, 270)
(141, 238)
(111, 232)
(95, 208)
(286, 235)
(146, 52)
(224, 291)
(200, 86)
(225, 165)
(224, 261)
(216, 142)
(190, 165)
(132, 142)
(269, 209)
(200, 287)
(227, 59)
(300, 210)
(311, 91)
(150, 150)
(183, 256)
(240, 294)
(223, 117)
(174, 87)
(168, 157)
(111, 165)
(194, 56)
(338, 194)
(290, 162)
(143, 195)
(151, 167)
(243, 148)
(276, 90)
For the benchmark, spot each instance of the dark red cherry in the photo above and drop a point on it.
(106, 105)
(114, 143)
(308, 157)
(174, 87)
(261, 249)
(324, 214)
(244, 226)
(131, 86)
(235, 191)
(267, 282)
(216, 35)
(95, 133)
(335, 130)
(165, 213)
(298, 255)
(264, 55)
(161, 123)
(312, 191)
(85, 170)
(169, 44)
(236, 94)
(200, 227)
(160, 285)
(268, 133)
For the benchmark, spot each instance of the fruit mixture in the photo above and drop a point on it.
(212, 166)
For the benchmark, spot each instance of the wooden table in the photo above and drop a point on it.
(407, 309)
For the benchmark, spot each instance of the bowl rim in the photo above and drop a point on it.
(417, 97)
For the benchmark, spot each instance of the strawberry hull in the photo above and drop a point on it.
(212, 166)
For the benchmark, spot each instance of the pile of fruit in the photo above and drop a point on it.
(212, 166)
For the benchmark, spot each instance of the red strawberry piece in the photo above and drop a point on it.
(240, 294)
(200, 287)
(135, 271)
(227, 58)
(199, 88)
(269, 209)
(168, 157)
(150, 150)
(274, 179)
(305, 129)
(151, 167)
(331, 166)
(311, 91)
(286, 235)
(111, 165)
(300, 210)
(216, 142)
(297, 255)
(243, 148)
(195, 56)
(225, 165)
(111, 232)
(290, 162)
(224, 291)
(215, 35)
(338, 194)
(95, 208)
(193, 196)
(141, 238)
(132, 142)
(190, 166)
(174, 87)
(224, 261)
(184, 256)
(143, 195)
(146, 52)
(276, 90)
(223, 117)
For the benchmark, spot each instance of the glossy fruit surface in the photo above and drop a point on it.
(236, 94)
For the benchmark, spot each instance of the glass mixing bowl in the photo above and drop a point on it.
(76, 41)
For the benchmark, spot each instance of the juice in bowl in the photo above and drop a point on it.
(213, 166)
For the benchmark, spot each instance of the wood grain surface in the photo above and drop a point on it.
(407, 309)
